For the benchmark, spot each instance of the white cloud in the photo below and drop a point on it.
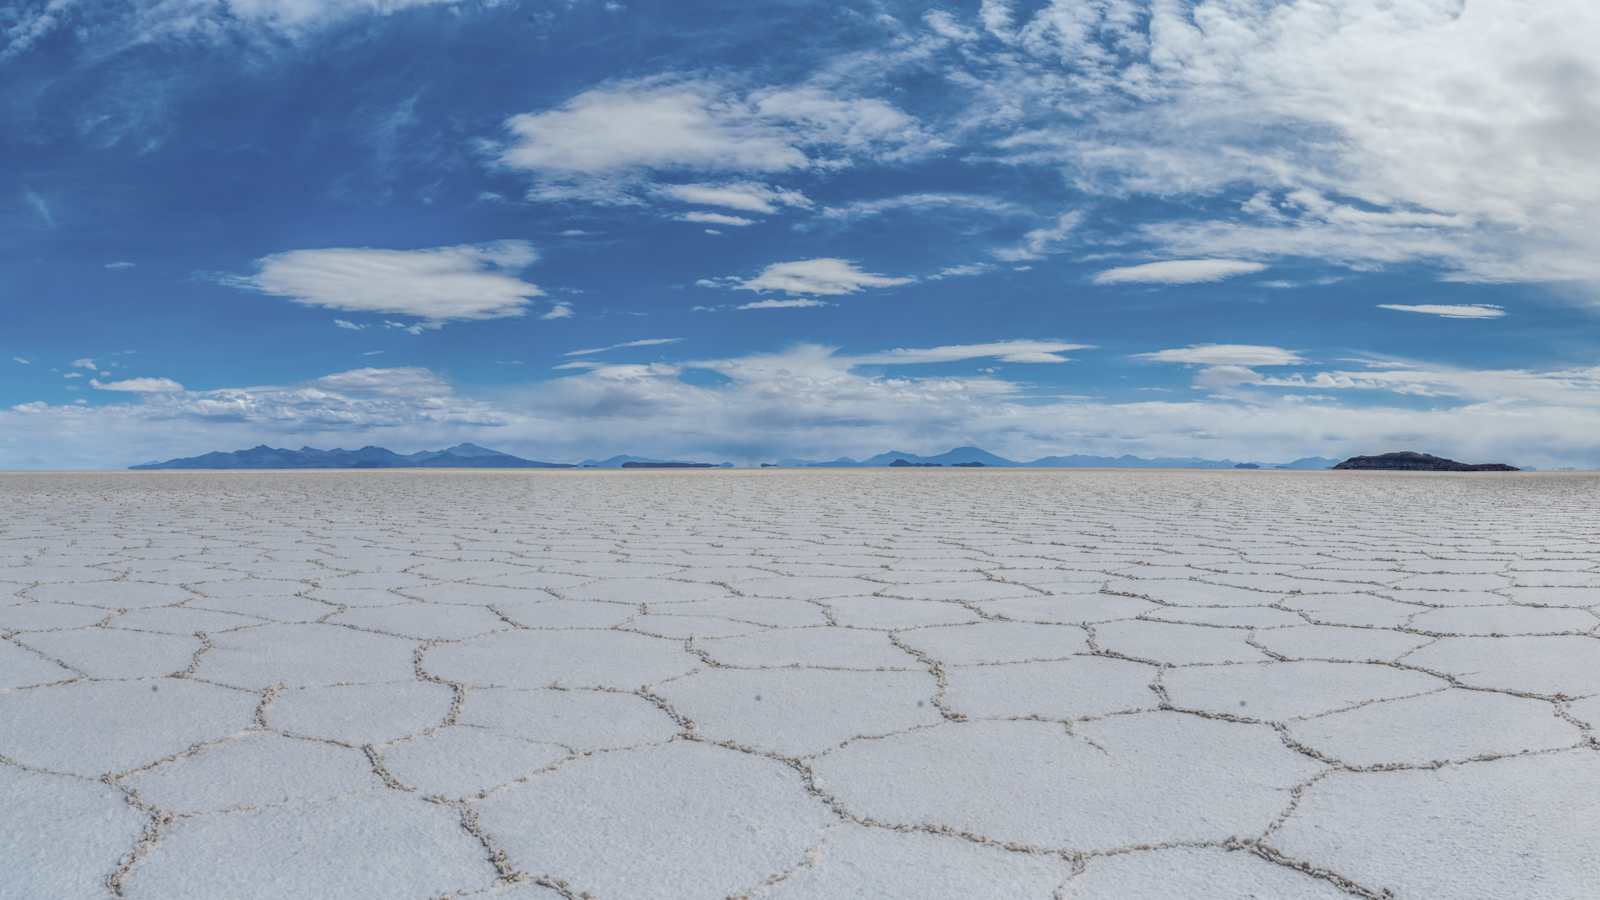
(438, 285)
(1450, 310)
(348, 325)
(1178, 271)
(946, 26)
(923, 202)
(796, 303)
(558, 311)
(653, 124)
(601, 145)
(293, 16)
(810, 401)
(119, 264)
(965, 270)
(221, 21)
(1455, 134)
(712, 218)
(745, 196)
(1225, 355)
(1006, 351)
(1041, 242)
(643, 342)
(139, 385)
(827, 276)
(85, 363)
(21, 361)
(40, 206)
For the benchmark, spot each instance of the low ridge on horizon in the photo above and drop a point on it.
(468, 455)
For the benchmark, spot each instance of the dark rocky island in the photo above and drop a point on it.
(1411, 461)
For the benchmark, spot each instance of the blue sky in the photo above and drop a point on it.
(744, 231)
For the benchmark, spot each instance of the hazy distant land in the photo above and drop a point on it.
(473, 456)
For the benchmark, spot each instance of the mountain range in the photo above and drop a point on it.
(461, 456)
(967, 456)
(472, 456)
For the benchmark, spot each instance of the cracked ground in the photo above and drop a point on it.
(800, 684)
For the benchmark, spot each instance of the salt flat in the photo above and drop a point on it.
(799, 684)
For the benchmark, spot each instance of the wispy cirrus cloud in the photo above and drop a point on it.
(744, 196)
(1179, 271)
(642, 342)
(1449, 310)
(139, 22)
(794, 303)
(1041, 242)
(922, 203)
(1225, 355)
(714, 218)
(1018, 351)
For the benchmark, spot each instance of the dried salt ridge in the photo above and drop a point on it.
(798, 684)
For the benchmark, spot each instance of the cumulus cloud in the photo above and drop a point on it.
(1178, 271)
(21, 361)
(828, 276)
(558, 311)
(438, 285)
(1450, 310)
(1225, 355)
(602, 144)
(85, 363)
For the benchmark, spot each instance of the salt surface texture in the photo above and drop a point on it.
(799, 684)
